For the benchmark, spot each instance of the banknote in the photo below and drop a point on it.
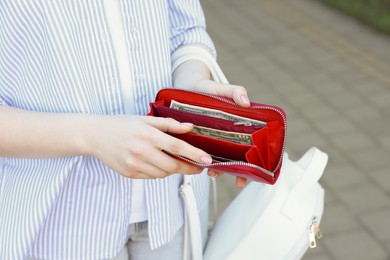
(221, 159)
(216, 113)
(239, 138)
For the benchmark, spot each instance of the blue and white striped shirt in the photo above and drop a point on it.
(58, 56)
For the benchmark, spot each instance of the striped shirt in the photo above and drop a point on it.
(58, 56)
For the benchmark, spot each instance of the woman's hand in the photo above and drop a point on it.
(194, 75)
(134, 146)
(240, 97)
(131, 145)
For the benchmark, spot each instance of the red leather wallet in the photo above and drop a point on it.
(245, 142)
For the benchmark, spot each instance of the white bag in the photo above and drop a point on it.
(273, 222)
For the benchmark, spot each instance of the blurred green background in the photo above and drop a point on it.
(375, 13)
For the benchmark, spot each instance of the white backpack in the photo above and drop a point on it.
(264, 221)
(273, 222)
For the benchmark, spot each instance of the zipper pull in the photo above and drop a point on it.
(312, 236)
(314, 232)
(244, 123)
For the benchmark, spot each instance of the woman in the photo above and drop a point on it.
(82, 171)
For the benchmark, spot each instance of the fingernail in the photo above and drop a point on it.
(206, 160)
(245, 99)
(211, 173)
(214, 173)
(188, 124)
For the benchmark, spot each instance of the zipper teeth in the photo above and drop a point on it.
(228, 164)
(255, 107)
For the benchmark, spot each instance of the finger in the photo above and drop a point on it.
(141, 175)
(179, 147)
(187, 168)
(170, 164)
(141, 169)
(176, 146)
(168, 124)
(241, 182)
(214, 173)
(237, 93)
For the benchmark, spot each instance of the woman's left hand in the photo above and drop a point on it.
(240, 97)
(194, 75)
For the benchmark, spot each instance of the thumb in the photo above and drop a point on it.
(235, 92)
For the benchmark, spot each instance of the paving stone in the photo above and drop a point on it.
(337, 220)
(318, 113)
(329, 89)
(381, 100)
(364, 199)
(266, 97)
(336, 158)
(352, 77)
(315, 78)
(315, 253)
(346, 100)
(378, 223)
(343, 176)
(356, 245)
(330, 198)
(362, 112)
(377, 127)
(370, 159)
(381, 178)
(349, 141)
(339, 69)
(304, 99)
(307, 140)
(317, 257)
(369, 86)
(388, 247)
(297, 125)
(334, 126)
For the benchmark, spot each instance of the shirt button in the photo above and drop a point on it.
(133, 29)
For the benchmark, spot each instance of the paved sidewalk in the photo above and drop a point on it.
(332, 76)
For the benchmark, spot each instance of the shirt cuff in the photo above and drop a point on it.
(195, 36)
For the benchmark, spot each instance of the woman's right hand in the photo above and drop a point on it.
(131, 145)
(134, 146)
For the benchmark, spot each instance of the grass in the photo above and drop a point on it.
(375, 13)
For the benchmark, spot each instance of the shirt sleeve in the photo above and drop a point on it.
(2, 102)
(188, 25)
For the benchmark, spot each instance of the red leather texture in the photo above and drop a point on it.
(260, 161)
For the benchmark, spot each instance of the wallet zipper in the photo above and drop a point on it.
(228, 101)
(235, 163)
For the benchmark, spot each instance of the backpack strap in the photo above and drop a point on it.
(192, 235)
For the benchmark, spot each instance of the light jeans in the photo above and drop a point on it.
(138, 246)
